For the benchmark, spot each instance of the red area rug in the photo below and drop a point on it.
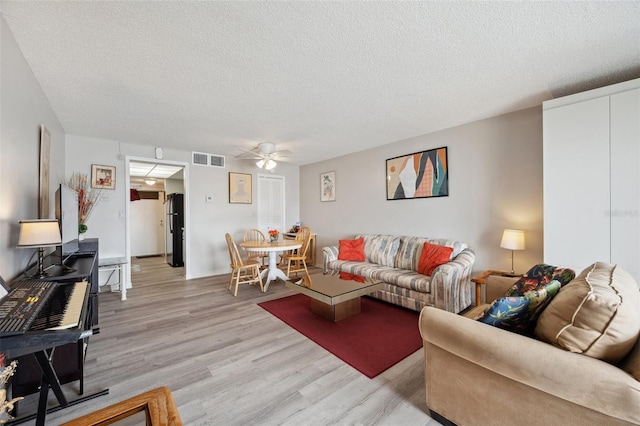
(379, 337)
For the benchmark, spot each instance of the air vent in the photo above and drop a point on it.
(204, 159)
(217, 160)
(200, 159)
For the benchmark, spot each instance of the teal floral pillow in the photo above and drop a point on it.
(539, 276)
(520, 313)
(506, 312)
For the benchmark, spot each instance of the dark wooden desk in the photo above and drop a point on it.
(68, 360)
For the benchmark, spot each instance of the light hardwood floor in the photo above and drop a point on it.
(229, 362)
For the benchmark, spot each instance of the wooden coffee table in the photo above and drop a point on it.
(332, 297)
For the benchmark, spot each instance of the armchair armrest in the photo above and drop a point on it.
(497, 286)
(451, 282)
(527, 361)
(329, 254)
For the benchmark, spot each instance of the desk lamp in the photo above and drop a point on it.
(512, 239)
(39, 234)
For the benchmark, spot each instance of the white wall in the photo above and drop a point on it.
(23, 109)
(208, 222)
(495, 182)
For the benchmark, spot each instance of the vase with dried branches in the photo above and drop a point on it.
(6, 405)
(87, 199)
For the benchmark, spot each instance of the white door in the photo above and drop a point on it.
(271, 203)
(147, 218)
(576, 183)
(625, 181)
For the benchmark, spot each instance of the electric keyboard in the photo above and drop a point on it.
(41, 305)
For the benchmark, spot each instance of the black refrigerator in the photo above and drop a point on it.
(175, 229)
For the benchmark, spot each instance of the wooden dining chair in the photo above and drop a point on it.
(255, 234)
(243, 271)
(296, 261)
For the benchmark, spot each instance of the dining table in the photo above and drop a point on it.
(272, 249)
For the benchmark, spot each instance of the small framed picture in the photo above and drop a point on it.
(239, 188)
(103, 177)
(328, 186)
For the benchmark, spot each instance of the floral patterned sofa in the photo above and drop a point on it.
(395, 259)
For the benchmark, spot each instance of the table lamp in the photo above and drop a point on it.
(512, 239)
(39, 234)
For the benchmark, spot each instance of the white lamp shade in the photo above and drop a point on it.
(260, 163)
(270, 164)
(39, 233)
(512, 239)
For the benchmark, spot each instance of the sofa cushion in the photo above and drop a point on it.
(540, 275)
(433, 256)
(365, 269)
(351, 250)
(519, 313)
(409, 253)
(381, 249)
(403, 278)
(597, 314)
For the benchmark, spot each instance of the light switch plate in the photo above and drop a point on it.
(158, 153)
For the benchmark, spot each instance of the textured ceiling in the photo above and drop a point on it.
(321, 79)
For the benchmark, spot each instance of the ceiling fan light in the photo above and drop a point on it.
(260, 163)
(270, 164)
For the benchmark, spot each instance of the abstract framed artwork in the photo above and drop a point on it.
(328, 186)
(103, 177)
(239, 188)
(419, 175)
(45, 148)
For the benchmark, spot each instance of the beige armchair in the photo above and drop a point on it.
(477, 374)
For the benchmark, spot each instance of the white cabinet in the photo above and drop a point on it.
(591, 154)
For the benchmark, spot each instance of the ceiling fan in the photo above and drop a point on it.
(266, 155)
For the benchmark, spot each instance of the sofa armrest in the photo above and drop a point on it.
(572, 377)
(451, 282)
(328, 254)
(497, 286)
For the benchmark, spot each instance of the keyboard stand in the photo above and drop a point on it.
(50, 381)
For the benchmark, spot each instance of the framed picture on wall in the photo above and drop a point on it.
(240, 188)
(103, 177)
(419, 175)
(45, 149)
(328, 186)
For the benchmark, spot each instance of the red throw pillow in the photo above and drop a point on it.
(351, 250)
(351, 277)
(433, 256)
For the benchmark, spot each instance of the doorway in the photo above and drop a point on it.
(149, 181)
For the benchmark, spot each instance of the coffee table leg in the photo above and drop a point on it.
(336, 312)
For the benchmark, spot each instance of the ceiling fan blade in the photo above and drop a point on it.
(249, 155)
(283, 152)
